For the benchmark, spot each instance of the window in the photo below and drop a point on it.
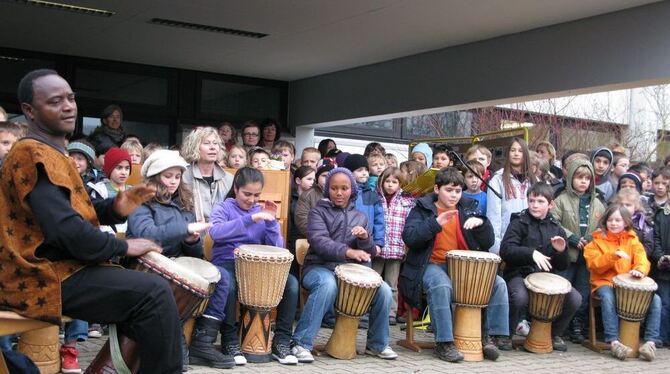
(238, 102)
(121, 87)
(14, 67)
(147, 132)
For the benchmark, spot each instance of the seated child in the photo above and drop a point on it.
(534, 242)
(442, 221)
(615, 250)
(337, 234)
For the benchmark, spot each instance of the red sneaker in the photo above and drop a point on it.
(68, 359)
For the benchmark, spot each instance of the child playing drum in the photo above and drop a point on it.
(535, 242)
(337, 235)
(615, 249)
(442, 221)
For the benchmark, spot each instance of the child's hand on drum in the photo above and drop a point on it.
(263, 216)
(197, 227)
(138, 247)
(472, 222)
(358, 255)
(359, 232)
(542, 261)
(444, 217)
(622, 254)
(636, 273)
(558, 243)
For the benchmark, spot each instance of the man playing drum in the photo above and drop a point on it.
(535, 242)
(51, 251)
(442, 221)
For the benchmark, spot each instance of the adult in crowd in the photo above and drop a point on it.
(270, 132)
(251, 135)
(110, 133)
(228, 135)
(325, 146)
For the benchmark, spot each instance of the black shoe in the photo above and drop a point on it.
(202, 351)
(233, 349)
(490, 349)
(504, 343)
(576, 335)
(282, 353)
(558, 343)
(447, 352)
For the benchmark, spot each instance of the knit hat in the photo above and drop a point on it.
(341, 158)
(427, 152)
(602, 152)
(84, 149)
(326, 187)
(355, 162)
(635, 177)
(113, 157)
(161, 160)
(323, 169)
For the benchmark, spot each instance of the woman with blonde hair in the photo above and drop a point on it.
(547, 151)
(208, 181)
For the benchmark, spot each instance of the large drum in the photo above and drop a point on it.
(472, 275)
(546, 294)
(261, 273)
(190, 292)
(356, 287)
(633, 298)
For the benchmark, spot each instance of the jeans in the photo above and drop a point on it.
(664, 293)
(389, 269)
(578, 274)
(518, 301)
(6, 343)
(322, 286)
(76, 331)
(439, 292)
(285, 310)
(216, 305)
(611, 319)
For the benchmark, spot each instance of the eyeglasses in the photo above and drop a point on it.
(251, 134)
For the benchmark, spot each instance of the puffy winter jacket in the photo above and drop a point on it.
(368, 203)
(661, 243)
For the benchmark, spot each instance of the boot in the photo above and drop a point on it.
(576, 335)
(202, 351)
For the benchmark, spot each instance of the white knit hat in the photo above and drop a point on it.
(161, 160)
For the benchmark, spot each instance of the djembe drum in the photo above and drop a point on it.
(190, 291)
(356, 287)
(472, 276)
(633, 298)
(546, 293)
(261, 273)
(41, 346)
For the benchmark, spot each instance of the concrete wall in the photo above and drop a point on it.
(616, 49)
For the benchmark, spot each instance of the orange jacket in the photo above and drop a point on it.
(604, 264)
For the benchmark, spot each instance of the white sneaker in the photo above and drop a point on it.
(302, 354)
(523, 328)
(386, 354)
(240, 360)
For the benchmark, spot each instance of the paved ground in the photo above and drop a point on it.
(577, 359)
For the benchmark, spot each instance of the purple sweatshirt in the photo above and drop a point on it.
(233, 226)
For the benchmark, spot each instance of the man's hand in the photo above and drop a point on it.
(127, 201)
(138, 247)
(358, 255)
(558, 243)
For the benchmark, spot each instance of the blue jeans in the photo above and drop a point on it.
(216, 305)
(664, 293)
(76, 331)
(578, 274)
(285, 310)
(6, 343)
(439, 291)
(611, 319)
(322, 286)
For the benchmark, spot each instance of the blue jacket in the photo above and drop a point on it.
(166, 224)
(367, 202)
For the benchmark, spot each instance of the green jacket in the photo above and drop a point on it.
(566, 210)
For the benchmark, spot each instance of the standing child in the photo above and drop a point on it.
(411, 170)
(601, 158)
(423, 154)
(630, 199)
(578, 210)
(310, 157)
(397, 206)
(303, 180)
(511, 182)
(482, 154)
(660, 268)
(441, 157)
(237, 157)
(377, 164)
(473, 183)
(117, 168)
(615, 250)
(367, 200)
(620, 164)
(259, 158)
(660, 179)
(9, 134)
(391, 160)
(287, 152)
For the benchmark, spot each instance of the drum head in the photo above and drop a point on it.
(257, 251)
(358, 275)
(547, 284)
(172, 270)
(201, 267)
(630, 282)
(473, 255)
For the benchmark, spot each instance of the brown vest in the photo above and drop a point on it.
(30, 285)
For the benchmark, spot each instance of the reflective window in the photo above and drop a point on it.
(147, 132)
(13, 68)
(239, 102)
(121, 87)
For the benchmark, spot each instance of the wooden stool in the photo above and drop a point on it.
(301, 249)
(592, 342)
(409, 341)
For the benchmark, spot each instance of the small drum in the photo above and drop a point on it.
(356, 287)
(472, 275)
(190, 292)
(41, 346)
(633, 298)
(546, 294)
(261, 273)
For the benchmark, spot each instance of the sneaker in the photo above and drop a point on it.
(68, 359)
(648, 351)
(447, 352)
(282, 353)
(490, 349)
(95, 331)
(576, 334)
(620, 351)
(234, 350)
(302, 354)
(558, 344)
(386, 354)
(523, 328)
(503, 343)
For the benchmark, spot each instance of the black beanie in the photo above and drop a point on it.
(355, 162)
(323, 169)
(632, 176)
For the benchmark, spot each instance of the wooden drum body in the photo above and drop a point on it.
(41, 346)
(356, 287)
(190, 292)
(261, 273)
(546, 293)
(633, 298)
(472, 275)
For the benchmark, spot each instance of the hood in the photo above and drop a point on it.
(574, 165)
(425, 149)
(608, 153)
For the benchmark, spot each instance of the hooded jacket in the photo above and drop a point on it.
(661, 243)
(605, 185)
(427, 152)
(566, 209)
